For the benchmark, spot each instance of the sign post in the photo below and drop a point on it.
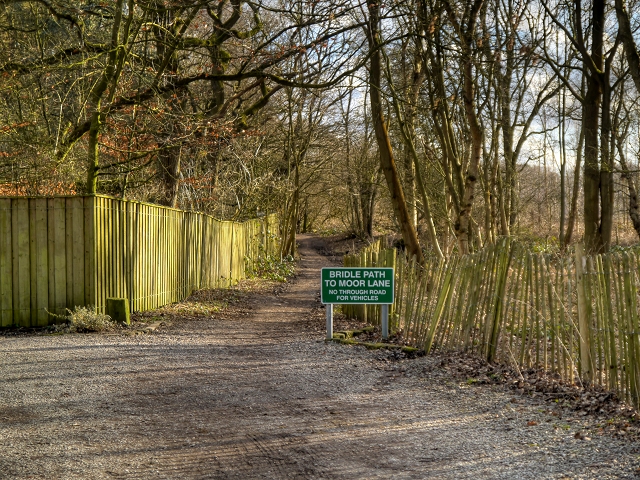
(329, 321)
(358, 285)
(384, 320)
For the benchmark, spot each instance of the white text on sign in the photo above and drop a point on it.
(358, 274)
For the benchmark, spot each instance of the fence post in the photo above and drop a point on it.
(583, 316)
(504, 260)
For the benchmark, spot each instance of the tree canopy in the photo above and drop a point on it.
(451, 122)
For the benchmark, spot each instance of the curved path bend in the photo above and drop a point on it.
(263, 396)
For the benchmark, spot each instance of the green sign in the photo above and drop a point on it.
(357, 285)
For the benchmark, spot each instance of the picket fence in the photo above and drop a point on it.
(574, 315)
(58, 253)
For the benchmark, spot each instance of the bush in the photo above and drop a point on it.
(85, 319)
(272, 267)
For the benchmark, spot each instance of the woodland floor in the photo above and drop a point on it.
(240, 384)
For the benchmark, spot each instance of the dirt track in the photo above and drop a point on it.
(262, 396)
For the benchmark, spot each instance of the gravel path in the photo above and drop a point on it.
(263, 396)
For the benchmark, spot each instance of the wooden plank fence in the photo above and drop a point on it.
(574, 315)
(372, 256)
(62, 252)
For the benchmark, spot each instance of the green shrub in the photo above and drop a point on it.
(85, 319)
(271, 267)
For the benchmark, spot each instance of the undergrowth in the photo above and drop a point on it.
(271, 267)
(84, 319)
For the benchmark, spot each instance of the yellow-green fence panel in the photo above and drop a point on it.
(58, 253)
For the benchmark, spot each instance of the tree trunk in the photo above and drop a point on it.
(93, 161)
(169, 161)
(290, 226)
(573, 208)
(634, 207)
(591, 123)
(510, 160)
(563, 170)
(467, 32)
(606, 168)
(633, 59)
(408, 131)
(108, 79)
(630, 48)
(410, 166)
(387, 161)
